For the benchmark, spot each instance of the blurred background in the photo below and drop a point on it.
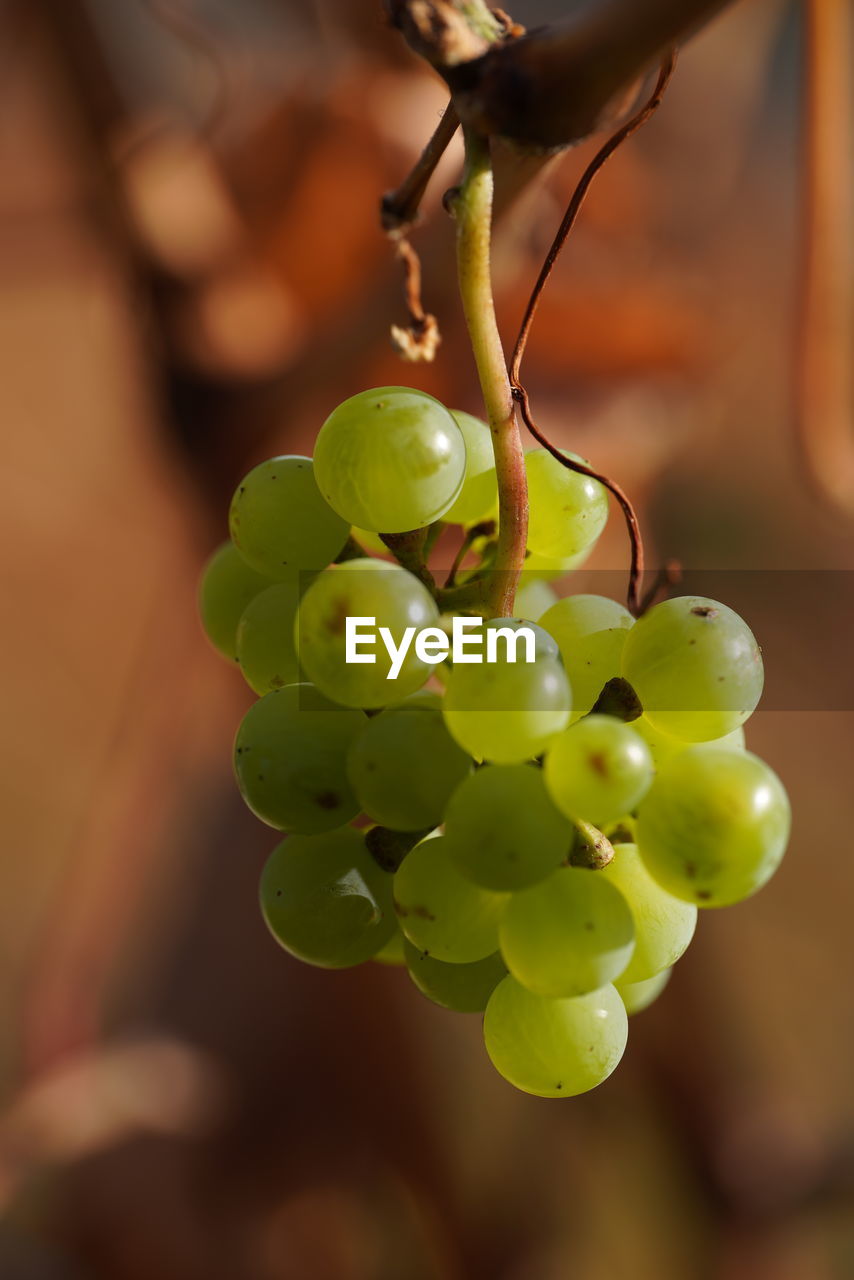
(192, 275)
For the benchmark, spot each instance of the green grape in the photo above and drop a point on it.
(664, 925)
(371, 542)
(363, 589)
(226, 587)
(265, 638)
(637, 996)
(441, 912)
(326, 901)
(551, 567)
(695, 666)
(479, 494)
(714, 826)
(568, 510)
(554, 1048)
(390, 459)
(464, 988)
(533, 598)
(502, 829)
(591, 632)
(663, 745)
(279, 521)
(568, 934)
(393, 953)
(290, 758)
(598, 770)
(504, 711)
(404, 766)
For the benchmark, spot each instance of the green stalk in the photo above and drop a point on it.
(473, 211)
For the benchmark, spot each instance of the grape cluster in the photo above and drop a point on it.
(531, 839)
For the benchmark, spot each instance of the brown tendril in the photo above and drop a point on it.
(520, 395)
(421, 338)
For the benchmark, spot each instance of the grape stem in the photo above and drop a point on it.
(592, 849)
(472, 208)
(399, 208)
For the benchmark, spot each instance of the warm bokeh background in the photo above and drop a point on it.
(192, 277)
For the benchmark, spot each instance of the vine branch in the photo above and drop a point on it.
(472, 208)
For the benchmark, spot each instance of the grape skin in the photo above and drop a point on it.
(695, 666)
(568, 510)
(442, 913)
(390, 459)
(290, 758)
(554, 1048)
(591, 633)
(405, 765)
(362, 588)
(598, 770)
(502, 829)
(637, 996)
(227, 586)
(465, 988)
(478, 497)
(714, 826)
(664, 925)
(508, 712)
(265, 638)
(279, 521)
(326, 901)
(568, 934)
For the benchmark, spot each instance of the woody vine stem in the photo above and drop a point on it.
(472, 209)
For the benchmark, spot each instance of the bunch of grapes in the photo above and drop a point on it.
(531, 839)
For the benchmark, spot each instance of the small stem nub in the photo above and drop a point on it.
(592, 849)
(618, 699)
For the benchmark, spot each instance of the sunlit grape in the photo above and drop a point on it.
(598, 770)
(279, 521)
(374, 589)
(695, 666)
(442, 913)
(479, 493)
(568, 510)
(568, 934)
(591, 632)
(390, 459)
(714, 825)
(554, 1048)
(664, 925)
(506, 711)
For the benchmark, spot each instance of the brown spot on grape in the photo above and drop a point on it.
(336, 619)
(691, 870)
(703, 895)
(599, 763)
(704, 611)
(423, 913)
(328, 800)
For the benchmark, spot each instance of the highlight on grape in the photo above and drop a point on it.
(533, 836)
(466, 643)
